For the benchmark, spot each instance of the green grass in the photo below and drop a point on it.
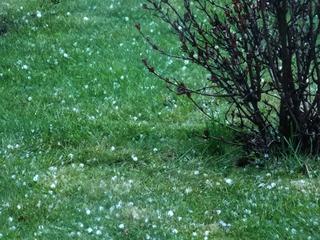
(93, 147)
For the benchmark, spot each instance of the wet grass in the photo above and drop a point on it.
(93, 147)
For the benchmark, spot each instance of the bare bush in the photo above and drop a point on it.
(263, 59)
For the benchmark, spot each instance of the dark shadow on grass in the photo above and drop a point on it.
(5, 25)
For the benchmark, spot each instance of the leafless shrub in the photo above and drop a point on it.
(263, 58)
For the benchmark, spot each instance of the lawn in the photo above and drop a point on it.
(94, 147)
